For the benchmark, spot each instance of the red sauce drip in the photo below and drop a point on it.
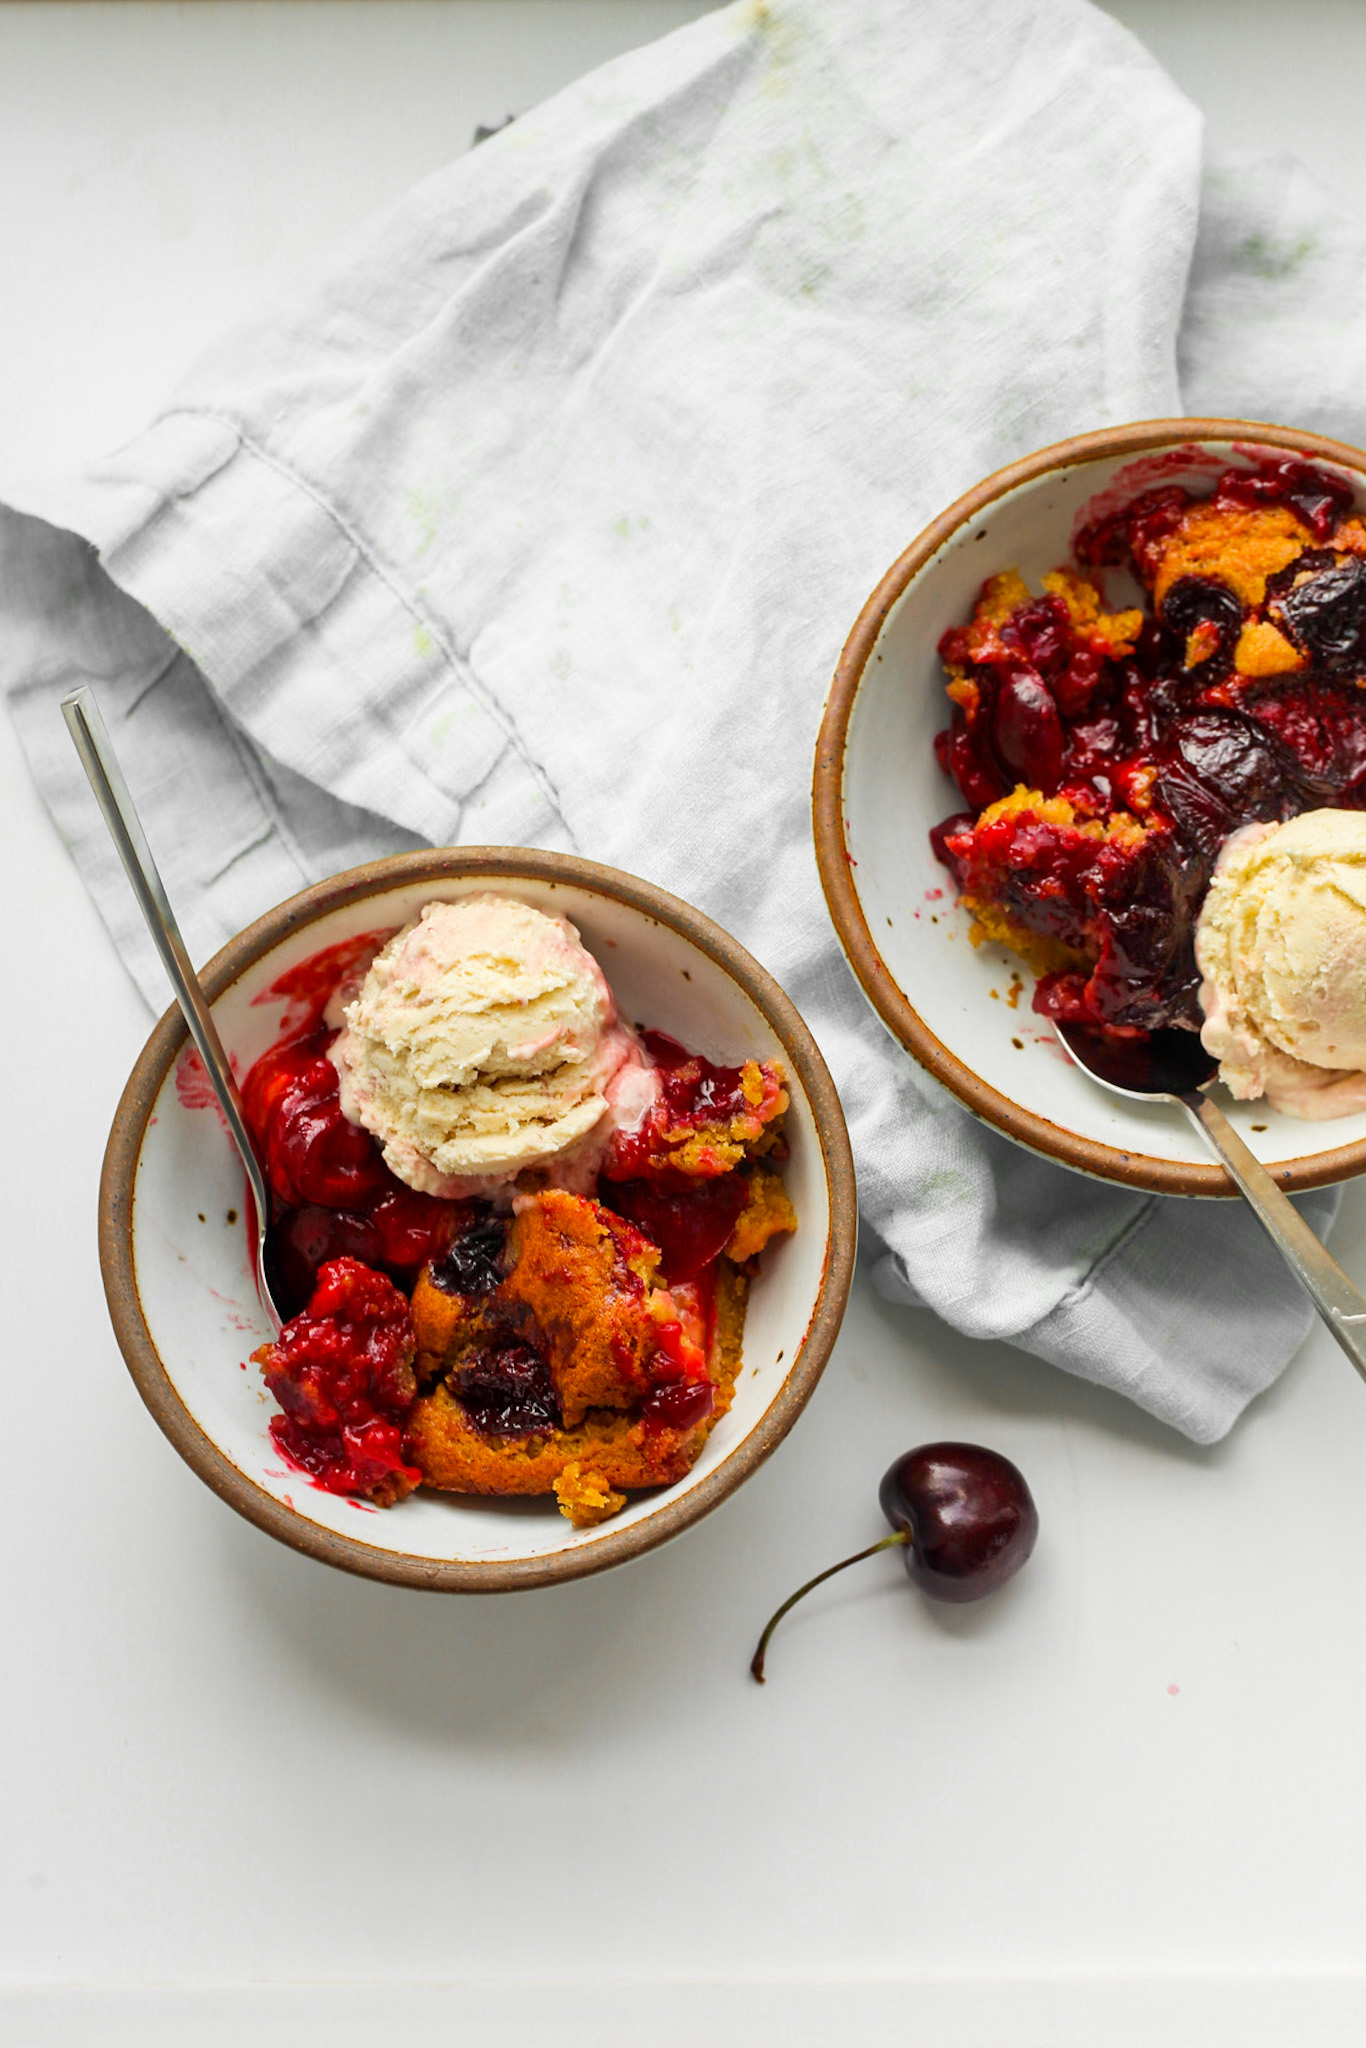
(694, 1091)
(690, 1226)
(307, 988)
(695, 1096)
(677, 1404)
(342, 1372)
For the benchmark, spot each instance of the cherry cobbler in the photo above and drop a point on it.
(1105, 756)
(575, 1340)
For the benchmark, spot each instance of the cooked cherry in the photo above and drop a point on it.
(1319, 499)
(301, 1241)
(343, 1374)
(979, 780)
(473, 1264)
(940, 835)
(312, 1153)
(1042, 632)
(1197, 601)
(1027, 730)
(1134, 531)
(506, 1390)
(1318, 729)
(677, 1404)
(1326, 612)
(411, 1227)
(691, 1225)
(964, 1516)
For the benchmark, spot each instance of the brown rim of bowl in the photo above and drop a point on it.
(1106, 1162)
(398, 1568)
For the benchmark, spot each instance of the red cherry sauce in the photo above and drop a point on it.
(677, 1404)
(694, 1096)
(342, 1371)
(689, 1216)
(308, 987)
(691, 1224)
(332, 1195)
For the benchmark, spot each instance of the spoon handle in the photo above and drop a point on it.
(93, 744)
(1340, 1304)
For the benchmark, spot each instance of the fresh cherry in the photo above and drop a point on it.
(964, 1516)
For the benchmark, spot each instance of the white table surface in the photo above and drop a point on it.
(246, 1798)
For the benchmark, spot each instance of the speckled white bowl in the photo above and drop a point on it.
(964, 1011)
(178, 1276)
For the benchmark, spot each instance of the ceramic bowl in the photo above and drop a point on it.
(964, 1011)
(177, 1271)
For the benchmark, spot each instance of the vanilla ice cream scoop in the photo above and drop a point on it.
(1281, 944)
(485, 1040)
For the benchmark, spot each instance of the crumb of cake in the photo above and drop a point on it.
(993, 926)
(1241, 546)
(767, 1213)
(1108, 632)
(1263, 650)
(720, 1145)
(585, 1497)
(1002, 595)
(732, 1295)
(1050, 810)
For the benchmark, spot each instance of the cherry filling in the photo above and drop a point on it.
(1171, 735)
(695, 1097)
(694, 1091)
(473, 1265)
(342, 1372)
(312, 1153)
(1320, 500)
(691, 1224)
(506, 1390)
(678, 1404)
(332, 1194)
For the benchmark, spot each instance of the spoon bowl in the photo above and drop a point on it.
(1173, 1066)
(1160, 1066)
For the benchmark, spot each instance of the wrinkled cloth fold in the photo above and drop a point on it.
(541, 516)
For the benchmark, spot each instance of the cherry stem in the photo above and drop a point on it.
(897, 1536)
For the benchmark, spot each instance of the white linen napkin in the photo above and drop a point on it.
(542, 516)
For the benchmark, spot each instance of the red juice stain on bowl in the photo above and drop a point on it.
(194, 1089)
(308, 987)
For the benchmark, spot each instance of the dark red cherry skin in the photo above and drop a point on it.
(971, 1518)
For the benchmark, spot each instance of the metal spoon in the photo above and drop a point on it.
(1173, 1066)
(93, 744)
